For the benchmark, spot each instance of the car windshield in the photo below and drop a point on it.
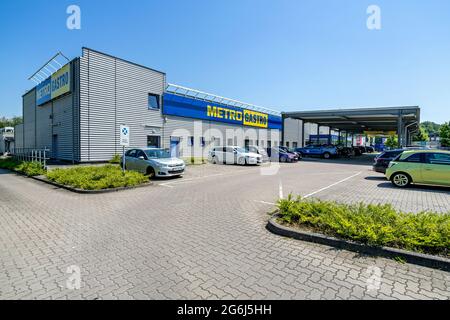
(240, 150)
(157, 153)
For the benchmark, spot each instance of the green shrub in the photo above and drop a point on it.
(376, 225)
(96, 178)
(28, 168)
(9, 164)
(117, 159)
(31, 169)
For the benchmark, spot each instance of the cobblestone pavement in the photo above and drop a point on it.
(199, 237)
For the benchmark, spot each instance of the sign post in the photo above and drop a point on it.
(124, 142)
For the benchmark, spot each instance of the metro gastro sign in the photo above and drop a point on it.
(54, 86)
(246, 117)
(187, 107)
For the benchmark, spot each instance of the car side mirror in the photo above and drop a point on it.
(142, 158)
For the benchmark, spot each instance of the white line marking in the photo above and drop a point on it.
(170, 184)
(331, 185)
(265, 202)
(281, 190)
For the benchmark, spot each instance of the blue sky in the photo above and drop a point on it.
(283, 54)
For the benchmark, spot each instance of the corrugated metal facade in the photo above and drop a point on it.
(18, 136)
(115, 92)
(53, 125)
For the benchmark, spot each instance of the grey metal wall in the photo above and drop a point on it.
(18, 136)
(29, 119)
(292, 132)
(57, 117)
(115, 92)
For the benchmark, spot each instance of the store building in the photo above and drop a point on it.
(76, 113)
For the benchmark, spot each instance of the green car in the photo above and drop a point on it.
(420, 167)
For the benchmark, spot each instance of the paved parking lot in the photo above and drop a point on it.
(201, 236)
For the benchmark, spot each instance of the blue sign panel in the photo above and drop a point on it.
(186, 107)
(44, 92)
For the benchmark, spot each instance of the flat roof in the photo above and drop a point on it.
(358, 120)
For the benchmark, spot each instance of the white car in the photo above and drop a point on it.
(154, 162)
(233, 155)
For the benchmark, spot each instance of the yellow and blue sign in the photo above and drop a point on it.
(198, 109)
(54, 86)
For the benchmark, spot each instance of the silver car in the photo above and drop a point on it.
(233, 155)
(154, 162)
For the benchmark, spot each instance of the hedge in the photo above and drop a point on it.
(371, 224)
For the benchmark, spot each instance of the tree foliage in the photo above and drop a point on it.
(422, 135)
(10, 122)
(444, 134)
(391, 142)
(430, 127)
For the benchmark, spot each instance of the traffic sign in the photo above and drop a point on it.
(124, 136)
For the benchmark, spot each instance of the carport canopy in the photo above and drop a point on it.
(403, 120)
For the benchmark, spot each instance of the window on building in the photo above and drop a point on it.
(153, 101)
(230, 142)
(294, 144)
(287, 144)
(154, 141)
(202, 141)
(190, 141)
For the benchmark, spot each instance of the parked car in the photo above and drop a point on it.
(382, 160)
(261, 151)
(282, 155)
(233, 155)
(420, 167)
(370, 149)
(325, 152)
(154, 162)
(287, 150)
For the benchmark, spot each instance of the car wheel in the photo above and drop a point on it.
(326, 155)
(150, 172)
(242, 162)
(401, 180)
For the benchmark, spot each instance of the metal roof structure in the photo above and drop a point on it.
(362, 119)
(196, 94)
(51, 66)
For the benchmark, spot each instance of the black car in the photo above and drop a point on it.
(382, 161)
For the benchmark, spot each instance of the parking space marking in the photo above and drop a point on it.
(171, 184)
(265, 202)
(331, 185)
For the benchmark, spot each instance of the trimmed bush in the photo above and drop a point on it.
(96, 178)
(29, 168)
(8, 164)
(375, 225)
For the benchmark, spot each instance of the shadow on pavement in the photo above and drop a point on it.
(389, 185)
(364, 160)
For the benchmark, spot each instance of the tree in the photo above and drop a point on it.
(422, 135)
(391, 142)
(430, 127)
(12, 122)
(444, 134)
